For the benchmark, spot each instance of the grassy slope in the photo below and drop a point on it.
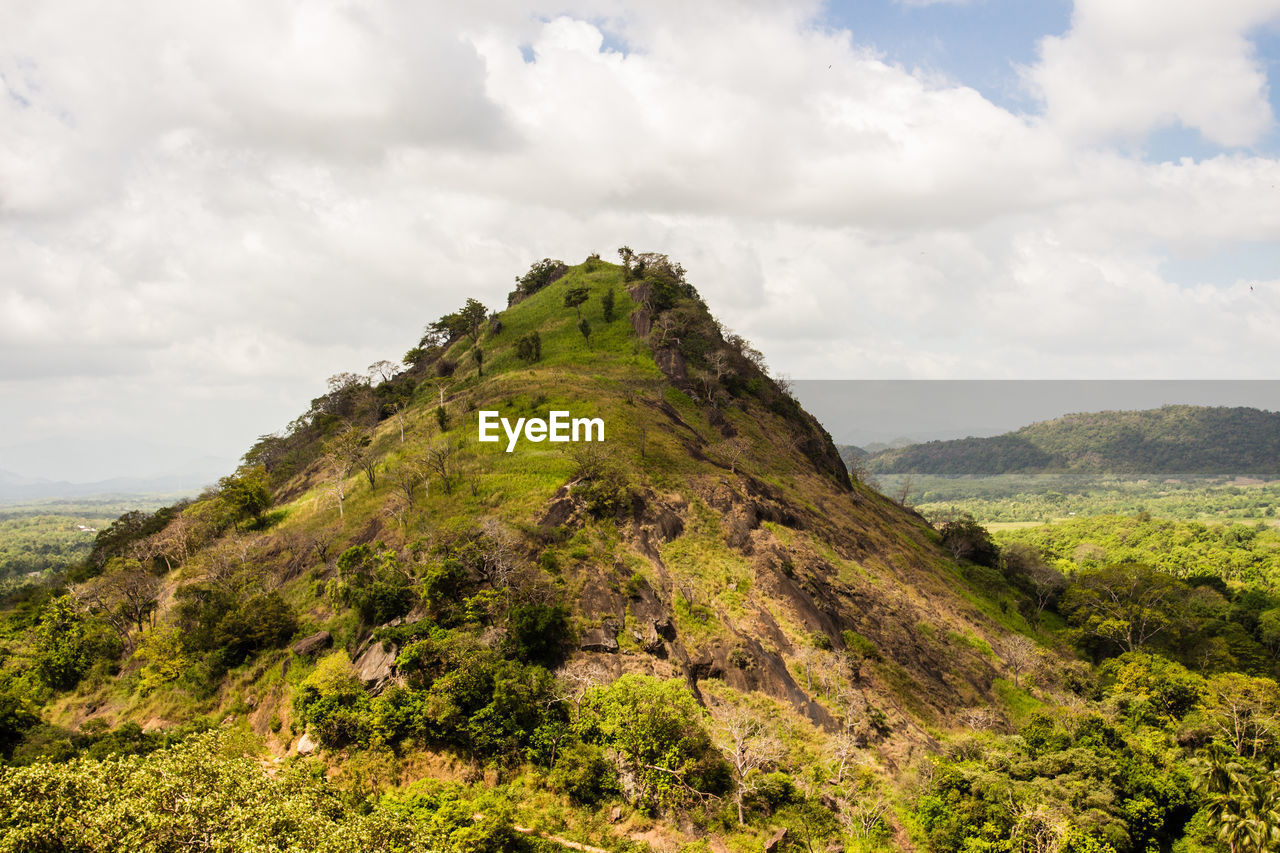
(772, 553)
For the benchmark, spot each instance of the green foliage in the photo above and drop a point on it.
(574, 297)
(332, 703)
(231, 620)
(966, 539)
(656, 728)
(1169, 440)
(1152, 689)
(584, 773)
(1124, 606)
(132, 527)
(163, 656)
(1045, 497)
(467, 321)
(47, 538)
(607, 306)
(206, 793)
(375, 584)
(1180, 548)
(529, 347)
(17, 715)
(537, 632)
(68, 643)
(541, 273)
(1073, 783)
(246, 493)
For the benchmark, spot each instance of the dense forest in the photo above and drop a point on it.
(1050, 497)
(704, 635)
(1171, 440)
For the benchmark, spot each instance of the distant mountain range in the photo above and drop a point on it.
(60, 468)
(15, 487)
(1188, 440)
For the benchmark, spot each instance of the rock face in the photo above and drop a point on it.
(376, 666)
(641, 323)
(314, 643)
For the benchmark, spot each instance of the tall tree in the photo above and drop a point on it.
(574, 297)
(1126, 604)
(745, 740)
(342, 453)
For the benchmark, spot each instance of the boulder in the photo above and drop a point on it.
(376, 666)
(314, 643)
(598, 640)
(771, 846)
(306, 745)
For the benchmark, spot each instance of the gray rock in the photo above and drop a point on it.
(772, 845)
(375, 665)
(598, 640)
(314, 643)
(306, 745)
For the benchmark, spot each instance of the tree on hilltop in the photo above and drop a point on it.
(466, 322)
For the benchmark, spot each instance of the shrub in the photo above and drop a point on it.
(332, 703)
(529, 347)
(655, 727)
(536, 632)
(540, 274)
(584, 774)
(375, 584)
(68, 644)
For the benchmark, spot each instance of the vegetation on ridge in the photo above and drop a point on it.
(1169, 440)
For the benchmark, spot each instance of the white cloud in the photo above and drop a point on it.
(206, 209)
(1128, 67)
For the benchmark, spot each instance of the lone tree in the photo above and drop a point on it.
(627, 254)
(246, 494)
(574, 297)
(540, 274)
(745, 741)
(966, 539)
(466, 322)
(342, 454)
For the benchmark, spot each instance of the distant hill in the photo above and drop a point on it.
(850, 453)
(15, 488)
(1188, 440)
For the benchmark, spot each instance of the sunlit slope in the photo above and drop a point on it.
(713, 536)
(708, 536)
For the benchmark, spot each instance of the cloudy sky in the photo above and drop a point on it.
(208, 208)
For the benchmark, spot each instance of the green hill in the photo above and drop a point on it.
(713, 537)
(1175, 440)
(382, 633)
